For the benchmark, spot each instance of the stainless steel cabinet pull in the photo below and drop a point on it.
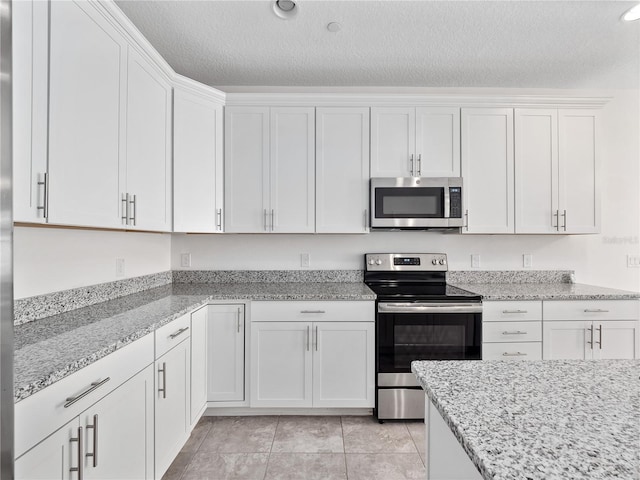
(178, 333)
(599, 337)
(219, 219)
(45, 195)
(419, 165)
(411, 169)
(514, 311)
(590, 342)
(308, 328)
(317, 338)
(557, 225)
(163, 370)
(466, 220)
(125, 208)
(80, 458)
(564, 222)
(595, 310)
(94, 427)
(265, 220)
(134, 210)
(272, 218)
(312, 311)
(94, 385)
(517, 354)
(239, 321)
(517, 332)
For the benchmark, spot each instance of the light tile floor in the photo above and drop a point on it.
(301, 448)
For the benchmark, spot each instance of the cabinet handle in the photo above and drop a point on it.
(94, 427)
(419, 165)
(317, 338)
(514, 311)
(134, 214)
(125, 208)
(178, 333)
(590, 342)
(163, 370)
(517, 332)
(564, 222)
(272, 217)
(94, 385)
(265, 220)
(517, 354)
(80, 458)
(45, 195)
(595, 310)
(308, 328)
(411, 169)
(219, 219)
(466, 220)
(557, 225)
(312, 311)
(239, 312)
(599, 337)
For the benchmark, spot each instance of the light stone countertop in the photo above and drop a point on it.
(49, 349)
(547, 419)
(546, 291)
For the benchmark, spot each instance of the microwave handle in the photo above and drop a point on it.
(447, 203)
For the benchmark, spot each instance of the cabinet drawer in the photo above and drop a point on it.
(591, 310)
(329, 311)
(512, 351)
(512, 332)
(512, 311)
(172, 334)
(42, 413)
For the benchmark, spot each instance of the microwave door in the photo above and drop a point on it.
(410, 207)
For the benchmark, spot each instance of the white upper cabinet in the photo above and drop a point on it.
(269, 169)
(419, 142)
(579, 197)
(87, 78)
(342, 170)
(197, 163)
(148, 146)
(487, 169)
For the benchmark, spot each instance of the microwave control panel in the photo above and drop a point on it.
(455, 199)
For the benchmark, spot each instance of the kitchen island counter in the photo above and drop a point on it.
(550, 419)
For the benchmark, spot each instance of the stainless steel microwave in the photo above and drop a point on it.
(416, 203)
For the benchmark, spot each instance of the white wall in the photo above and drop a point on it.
(48, 260)
(597, 259)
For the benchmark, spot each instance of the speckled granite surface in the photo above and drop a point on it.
(49, 349)
(41, 306)
(266, 276)
(549, 419)
(546, 291)
(509, 276)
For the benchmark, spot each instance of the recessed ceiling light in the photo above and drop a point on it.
(632, 14)
(334, 27)
(285, 9)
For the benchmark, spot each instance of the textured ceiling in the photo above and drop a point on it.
(535, 44)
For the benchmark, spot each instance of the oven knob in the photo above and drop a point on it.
(371, 261)
(443, 261)
(378, 262)
(434, 261)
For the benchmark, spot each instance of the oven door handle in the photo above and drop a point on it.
(430, 308)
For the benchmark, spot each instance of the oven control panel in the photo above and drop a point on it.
(424, 262)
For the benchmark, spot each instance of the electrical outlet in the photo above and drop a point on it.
(633, 261)
(475, 260)
(119, 267)
(305, 260)
(527, 260)
(185, 259)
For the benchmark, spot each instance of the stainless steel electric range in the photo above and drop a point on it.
(419, 317)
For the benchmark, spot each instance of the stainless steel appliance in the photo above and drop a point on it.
(416, 203)
(418, 317)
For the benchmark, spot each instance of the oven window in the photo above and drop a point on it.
(414, 202)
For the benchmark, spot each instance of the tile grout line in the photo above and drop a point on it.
(266, 468)
(416, 446)
(344, 450)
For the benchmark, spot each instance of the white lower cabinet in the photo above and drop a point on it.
(225, 357)
(512, 330)
(199, 367)
(327, 362)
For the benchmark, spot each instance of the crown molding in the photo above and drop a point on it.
(192, 86)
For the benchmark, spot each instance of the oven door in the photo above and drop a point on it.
(426, 331)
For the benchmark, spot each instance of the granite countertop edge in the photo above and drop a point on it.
(546, 291)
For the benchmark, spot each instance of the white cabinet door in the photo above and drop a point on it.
(342, 170)
(343, 364)
(87, 77)
(53, 458)
(579, 203)
(246, 169)
(119, 431)
(487, 169)
(171, 405)
(292, 161)
(30, 105)
(226, 327)
(438, 142)
(536, 170)
(197, 163)
(199, 364)
(566, 340)
(281, 364)
(616, 339)
(393, 142)
(148, 146)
